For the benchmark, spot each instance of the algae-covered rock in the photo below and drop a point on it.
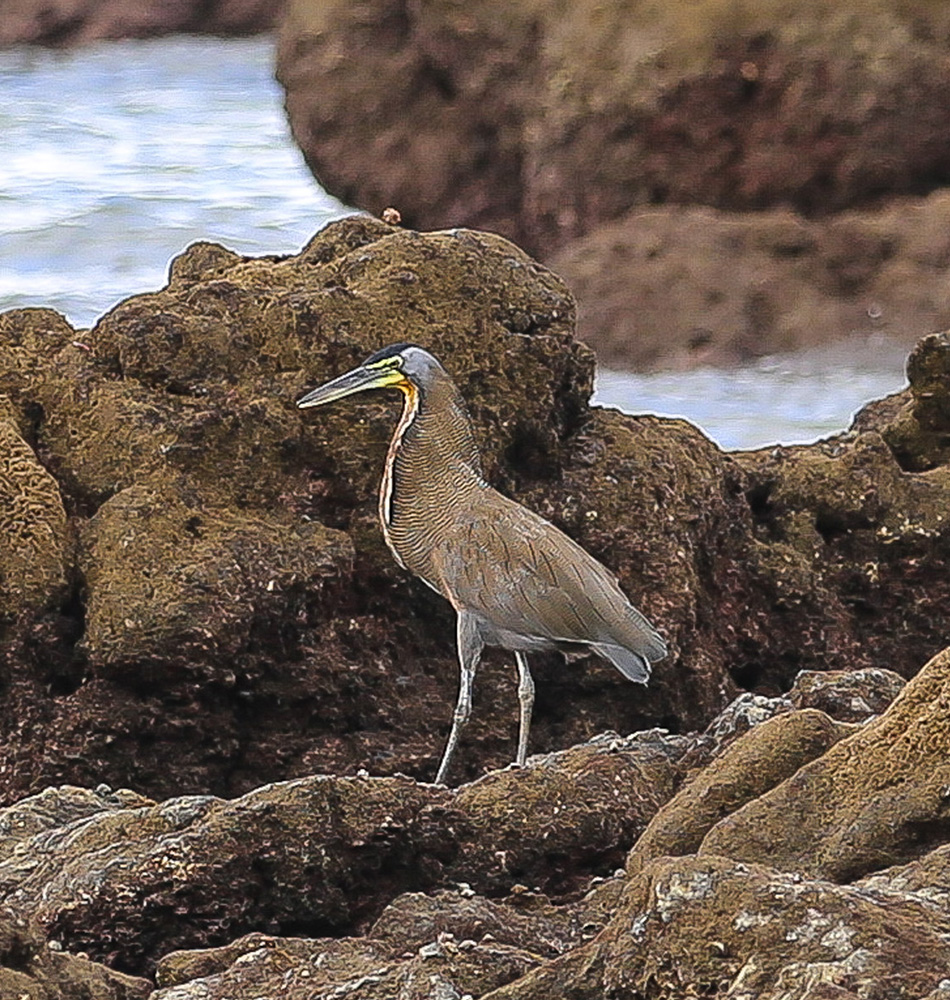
(724, 928)
(175, 583)
(571, 812)
(919, 433)
(488, 115)
(31, 970)
(752, 765)
(33, 541)
(877, 798)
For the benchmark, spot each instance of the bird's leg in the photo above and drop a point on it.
(469, 645)
(526, 700)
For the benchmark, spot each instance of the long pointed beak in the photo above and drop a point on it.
(358, 380)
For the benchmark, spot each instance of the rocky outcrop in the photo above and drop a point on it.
(682, 286)
(202, 601)
(642, 149)
(78, 22)
(441, 891)
(30, 968)
(211, 619)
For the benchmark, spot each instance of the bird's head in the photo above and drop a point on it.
(402, 366)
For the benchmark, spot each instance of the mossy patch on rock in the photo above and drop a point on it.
(33, 538)
(176, 584)
(875, 799)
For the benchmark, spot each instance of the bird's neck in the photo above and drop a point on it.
(431, 468)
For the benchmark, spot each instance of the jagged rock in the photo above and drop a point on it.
(846, 695)
(176, 584)
(56, 807)
(448, 945)
(33, 538)
(127, 879)
(876, 798)
(725, 928)
(79, 22)
(919, 432)
(259, 967)
(752, 765)
(162, 663)
(570, 813)
(31, 970)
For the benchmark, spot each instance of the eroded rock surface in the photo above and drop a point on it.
(760, 160)
(213, 621)
(79, 22)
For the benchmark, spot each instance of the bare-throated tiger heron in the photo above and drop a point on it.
(514, 579)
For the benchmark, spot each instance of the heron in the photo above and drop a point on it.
(514, 579)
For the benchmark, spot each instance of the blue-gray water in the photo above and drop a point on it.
(116, 157)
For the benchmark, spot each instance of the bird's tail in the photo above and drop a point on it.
(635, 666)
(643, 646)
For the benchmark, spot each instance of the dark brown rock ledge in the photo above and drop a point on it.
(63, 23)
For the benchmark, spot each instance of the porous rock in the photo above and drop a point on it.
(209, 635)
(749, 284)
(79, 22)
(874, 799)
(496, 110)
(31, 970)
(726, 928)
(176, 583)
(566, 816)
(33, 538)
(752, 765)
(128, 880)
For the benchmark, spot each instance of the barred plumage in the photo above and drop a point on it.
(514, 579)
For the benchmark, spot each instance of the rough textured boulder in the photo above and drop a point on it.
(212, 619)
(679, 286)
(128, 880)
(876, 798)
(490, 115)
(31, 970)
(578, 132)
(78, 22)
(213, 606)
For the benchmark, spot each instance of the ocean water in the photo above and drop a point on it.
(117, 156)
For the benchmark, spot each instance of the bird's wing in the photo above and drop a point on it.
(525, 576)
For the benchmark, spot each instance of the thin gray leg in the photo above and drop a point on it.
(469, 646)
(526, 700)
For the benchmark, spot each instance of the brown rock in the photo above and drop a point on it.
(570, 813)
(128, 880)
(176, 584)
(78, 22)
(720, 927)
(917, 425)
(846, 695)
(751, 766)
(749, 284)
(259, 967)
(543, 123)
(877, 798)
(33, 538)
(30, 970)
(165, 663)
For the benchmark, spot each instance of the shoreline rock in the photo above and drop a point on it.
(67, 23)
(216, 624)
(780, 165)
